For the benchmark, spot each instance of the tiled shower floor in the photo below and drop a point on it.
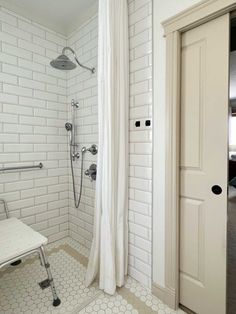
(20, 293)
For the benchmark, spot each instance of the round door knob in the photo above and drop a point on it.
(216, 189)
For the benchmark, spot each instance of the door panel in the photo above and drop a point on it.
(203, 163)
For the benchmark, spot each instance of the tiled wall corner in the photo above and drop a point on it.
(82, 86)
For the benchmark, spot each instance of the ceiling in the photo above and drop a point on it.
(62, 16)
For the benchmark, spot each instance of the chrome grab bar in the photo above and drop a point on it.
(40, 165)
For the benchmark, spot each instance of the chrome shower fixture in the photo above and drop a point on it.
(62, 62)
(75, 154)
(68, 126)
(93, 149)
(74, 104)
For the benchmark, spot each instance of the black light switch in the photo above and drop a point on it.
(137, 124)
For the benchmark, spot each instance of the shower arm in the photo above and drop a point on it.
(76, 59)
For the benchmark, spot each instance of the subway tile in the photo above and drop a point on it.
(56, 39)
(142, 50)
(139, 63)
(46, 148)
(16, 51)
(44, 43)
(45, 113)
(32, 102)
(11, 148)
(45, 95)
(32, 120)
(8, 18)
(31, 47)
(44, 78)
(32, 66)
(8, 78)
(33, 156)
(16, 70)
(16, 186)
(28, 138)
(139, 39)
(33, 192)
(20, 91)
(47, 215)
(28, 27)
(6, 58)
(8, 98)
(46, 199)
(5, 157)
(29, 211)
(15, 31)
(9, 138)
(7, 38)
(19, 204)
(15, 109)
(31, 83)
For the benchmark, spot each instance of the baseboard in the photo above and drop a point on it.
(166, 295)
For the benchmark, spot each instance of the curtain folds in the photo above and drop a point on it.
(109, 251)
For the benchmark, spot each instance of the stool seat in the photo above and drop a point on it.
(16, 238)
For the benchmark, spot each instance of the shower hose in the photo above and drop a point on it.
(76, 201)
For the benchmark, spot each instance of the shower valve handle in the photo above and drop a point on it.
(91, 172)
(93, 149)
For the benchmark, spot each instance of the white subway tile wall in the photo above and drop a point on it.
(33, 112)
(140, 176)
(34, 106)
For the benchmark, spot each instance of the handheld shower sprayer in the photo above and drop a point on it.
(68, 126)
(74, 153)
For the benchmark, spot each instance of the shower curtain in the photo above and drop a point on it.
(109, 251)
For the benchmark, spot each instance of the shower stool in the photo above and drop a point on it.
(18, 240)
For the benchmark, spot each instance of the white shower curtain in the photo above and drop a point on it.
(109, 251)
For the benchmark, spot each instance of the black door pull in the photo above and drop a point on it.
(216, 189)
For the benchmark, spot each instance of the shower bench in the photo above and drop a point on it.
(17, 240)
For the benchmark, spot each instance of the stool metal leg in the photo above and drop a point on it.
(45, 263)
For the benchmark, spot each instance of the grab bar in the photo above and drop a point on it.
(40, 165)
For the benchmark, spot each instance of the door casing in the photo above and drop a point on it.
(198, 14)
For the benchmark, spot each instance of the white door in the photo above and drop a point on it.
(204, 133)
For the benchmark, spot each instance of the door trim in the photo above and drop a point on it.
(173, 28)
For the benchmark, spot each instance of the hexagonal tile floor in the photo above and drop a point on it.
(20, 292)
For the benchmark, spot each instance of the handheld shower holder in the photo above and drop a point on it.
(75, 156)
(74, 104)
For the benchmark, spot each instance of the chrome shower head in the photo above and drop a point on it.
(68, 126)
(63, 63)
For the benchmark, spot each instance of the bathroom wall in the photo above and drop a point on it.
(82, 86)
(140, 180)
(33, 112)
